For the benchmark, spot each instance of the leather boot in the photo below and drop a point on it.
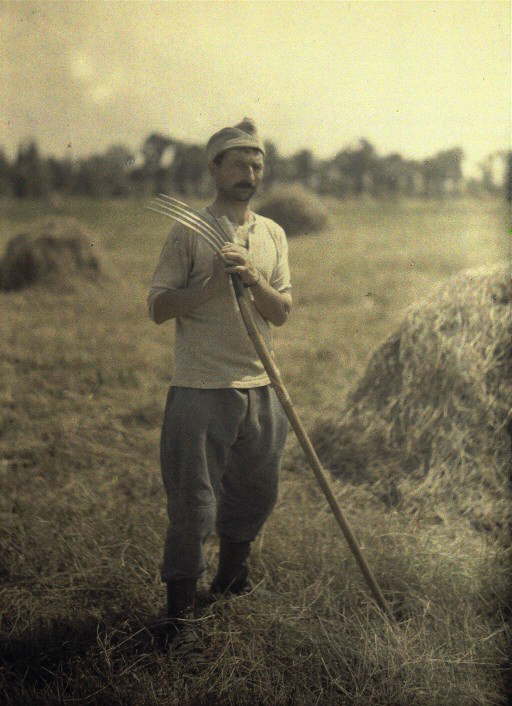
(232, 572)
(181, 596)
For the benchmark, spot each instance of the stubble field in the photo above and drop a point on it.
(84, 375)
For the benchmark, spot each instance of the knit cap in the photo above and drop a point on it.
(242, 135)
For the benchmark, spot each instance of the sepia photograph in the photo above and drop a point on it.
(255, 353)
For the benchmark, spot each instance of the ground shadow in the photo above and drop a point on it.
(48, 654)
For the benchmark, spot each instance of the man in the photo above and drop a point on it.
(224, 430)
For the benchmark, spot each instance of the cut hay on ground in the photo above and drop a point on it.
(53, 252)
(430, 420)
(296, 209)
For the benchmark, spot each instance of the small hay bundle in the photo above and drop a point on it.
(295, 209)
(431, 417)
(52, 252)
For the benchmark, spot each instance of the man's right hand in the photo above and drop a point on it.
(172, 303)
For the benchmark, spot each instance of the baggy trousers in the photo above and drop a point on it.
(220, 456)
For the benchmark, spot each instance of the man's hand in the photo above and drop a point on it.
(180, 302)
(271, 304)
(238, 261)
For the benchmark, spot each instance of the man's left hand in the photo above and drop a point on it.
(239, 262)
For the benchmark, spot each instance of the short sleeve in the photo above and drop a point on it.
(280, 279)
(173, 265)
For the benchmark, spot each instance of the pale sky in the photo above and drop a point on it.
(411, 76)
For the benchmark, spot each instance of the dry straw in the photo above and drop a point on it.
(431, 417)
(52, 252)
(296, 209)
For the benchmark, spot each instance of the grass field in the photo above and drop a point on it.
(84, 375)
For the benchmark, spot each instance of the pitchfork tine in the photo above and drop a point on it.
(177, 202)
(193, 226)
(217, 234)
(196, 229)
(214, 233)
(193, 211)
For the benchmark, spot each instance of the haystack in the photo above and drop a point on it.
(296, 209)
(429, 423)
(53, 252)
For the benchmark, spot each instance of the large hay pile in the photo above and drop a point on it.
(52, 252)
(429, 423)
(296, 209)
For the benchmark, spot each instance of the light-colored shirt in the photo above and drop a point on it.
(212, 346)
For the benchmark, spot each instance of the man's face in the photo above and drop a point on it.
(239, 174)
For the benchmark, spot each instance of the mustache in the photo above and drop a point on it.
(244, 184)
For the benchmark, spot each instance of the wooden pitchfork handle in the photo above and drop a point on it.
(278, 385)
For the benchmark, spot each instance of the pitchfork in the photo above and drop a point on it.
(216, 232)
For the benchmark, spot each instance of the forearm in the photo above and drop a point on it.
(271, 304)
(177, 302)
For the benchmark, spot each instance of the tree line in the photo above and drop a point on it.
(164, 164)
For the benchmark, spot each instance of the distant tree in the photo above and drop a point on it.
(495, 170)
(355, 164)
(388, 175)
(61, 173)
(272, 160)
(5, 175)
(30, 176)
(103, 175)
(153, 149)
(87, 181)
(332, 177)
(449, 163)
(323, 177)
(431, 177)
(153, 175)
(302, 167)
(411, 180)
(487, 174)
(117, 162)
(443, 172)
(188, 170)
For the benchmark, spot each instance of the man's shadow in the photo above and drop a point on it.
(52, 653)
